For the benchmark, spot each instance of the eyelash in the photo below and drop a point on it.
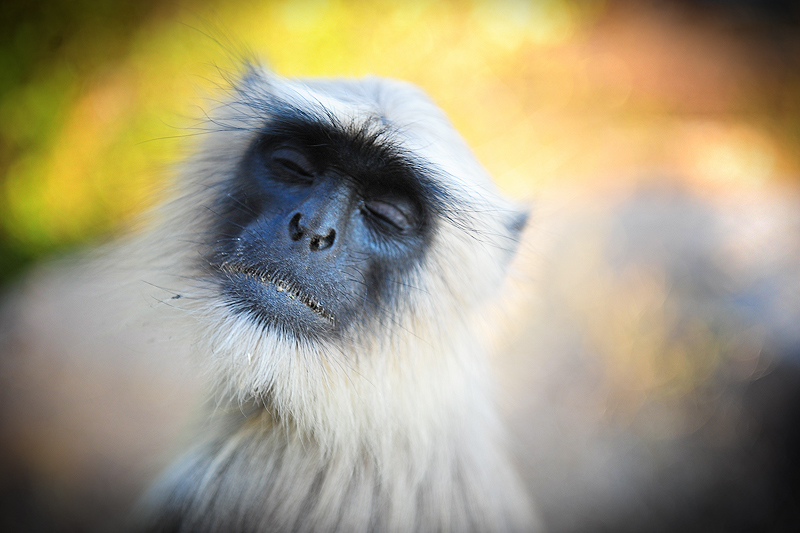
(387, 213)
(293, 167)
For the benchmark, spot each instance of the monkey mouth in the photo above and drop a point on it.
(282, 284)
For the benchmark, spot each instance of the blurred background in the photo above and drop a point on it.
(97, 98)
(658, 143)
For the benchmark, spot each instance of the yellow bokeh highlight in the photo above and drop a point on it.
(541, 100)
(108, 152)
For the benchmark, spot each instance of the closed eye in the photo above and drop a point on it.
(293, 161)
(389, 212)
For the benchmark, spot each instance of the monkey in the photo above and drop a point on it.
(335, 262)
(344, 246)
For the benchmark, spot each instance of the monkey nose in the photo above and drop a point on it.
(319, 239)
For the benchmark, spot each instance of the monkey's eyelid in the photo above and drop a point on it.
(388, 212)
(294, 161)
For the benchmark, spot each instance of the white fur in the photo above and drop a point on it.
(394, 430)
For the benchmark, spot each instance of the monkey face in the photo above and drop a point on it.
(345, 232)
(320, 222)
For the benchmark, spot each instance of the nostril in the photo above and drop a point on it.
(295, 231)
(322, 243)
(299, 230)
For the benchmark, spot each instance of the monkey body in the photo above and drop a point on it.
(262, 477)
(349, 244)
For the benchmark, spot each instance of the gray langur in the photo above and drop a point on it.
(340, 245)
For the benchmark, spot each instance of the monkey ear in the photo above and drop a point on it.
(515, 223)
(518, 221)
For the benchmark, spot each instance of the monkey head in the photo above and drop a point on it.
(342, 223)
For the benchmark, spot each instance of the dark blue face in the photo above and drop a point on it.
(320, 229)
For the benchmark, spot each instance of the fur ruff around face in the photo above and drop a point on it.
(351, 382)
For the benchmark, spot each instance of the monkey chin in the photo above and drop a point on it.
(275, 302)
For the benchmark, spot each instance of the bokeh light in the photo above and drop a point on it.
(100, 97)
